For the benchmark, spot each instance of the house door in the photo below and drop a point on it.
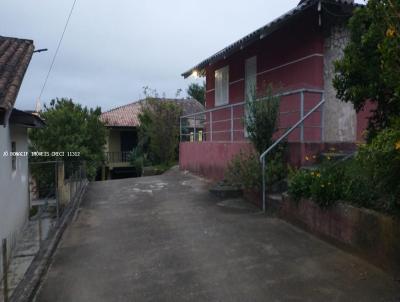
(128, 141)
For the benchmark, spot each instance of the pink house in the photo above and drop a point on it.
(295, 53)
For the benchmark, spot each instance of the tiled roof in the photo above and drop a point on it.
(124, 116)
(261, 33)
(15, 55)
(127, 115)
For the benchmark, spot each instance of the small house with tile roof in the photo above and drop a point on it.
(15, 55)
(122, 124)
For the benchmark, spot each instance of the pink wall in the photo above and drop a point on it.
(209, 159)
(303, 40)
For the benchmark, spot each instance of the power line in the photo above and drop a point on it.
(58, 48)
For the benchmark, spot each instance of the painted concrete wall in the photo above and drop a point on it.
(14, 199)
(302, 40)
(289, 63)
(299, 55)
(340, 118)
(113, 141)
(209, 159)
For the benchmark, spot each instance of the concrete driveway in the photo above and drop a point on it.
(165, 238)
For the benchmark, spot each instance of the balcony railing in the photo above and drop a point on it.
(226, 123)
(118, 157)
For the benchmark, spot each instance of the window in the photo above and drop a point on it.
(13, 156)
(222, 86)
(250, 84)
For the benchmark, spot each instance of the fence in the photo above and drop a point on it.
(226, 123)
(118, 157)
(53, 186)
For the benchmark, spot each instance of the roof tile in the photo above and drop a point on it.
(128, 115)
(15, 55)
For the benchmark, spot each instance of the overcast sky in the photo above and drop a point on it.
(115, 47)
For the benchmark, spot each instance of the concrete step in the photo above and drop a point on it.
(222, 190)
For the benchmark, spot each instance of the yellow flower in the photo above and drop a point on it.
(390, 32)
(329, 158)
(312, 173)
(397, 146)
(318, 175)
(307, 158)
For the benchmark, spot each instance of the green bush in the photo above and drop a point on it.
(159, 130)
(370, 180)
(245, 171)
(299, 184)
(262, 117)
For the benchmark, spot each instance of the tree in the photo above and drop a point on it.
(369, 70)
(159, 130)
(198, 92)
(261, 121)
(71, 128)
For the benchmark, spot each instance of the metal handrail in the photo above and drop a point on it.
(278, 141)
(228, 106)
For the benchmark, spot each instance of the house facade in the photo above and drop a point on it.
(15, 55)
(122, 124)
(295, 55)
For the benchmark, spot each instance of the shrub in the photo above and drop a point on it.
(381, 166)
(299, 184)
(159, 130)
(262, 115)
(245, 171)
(369, 69)
(370, 180)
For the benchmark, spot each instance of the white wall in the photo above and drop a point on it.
(340, 118)
(14, 199)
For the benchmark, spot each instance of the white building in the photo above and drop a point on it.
(15, 55)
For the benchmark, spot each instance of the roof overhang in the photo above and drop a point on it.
(26, 119)
(261, 33)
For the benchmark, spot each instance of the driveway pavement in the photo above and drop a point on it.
(165, 238)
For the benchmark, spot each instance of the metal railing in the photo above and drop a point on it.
(118, 157)
(263, 156)
(226, 123)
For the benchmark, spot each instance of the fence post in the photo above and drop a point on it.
(211, 126)
(301, 116)
(5, 270)
(180, 129)
(194, 136)
(40, 226)
(231, 123)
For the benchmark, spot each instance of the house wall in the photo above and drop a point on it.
(113, 141)
(299, 55)
(14, 198)
(289, 63)
(209, 159)
(340, 118)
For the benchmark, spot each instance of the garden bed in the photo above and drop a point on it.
(370, 234)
